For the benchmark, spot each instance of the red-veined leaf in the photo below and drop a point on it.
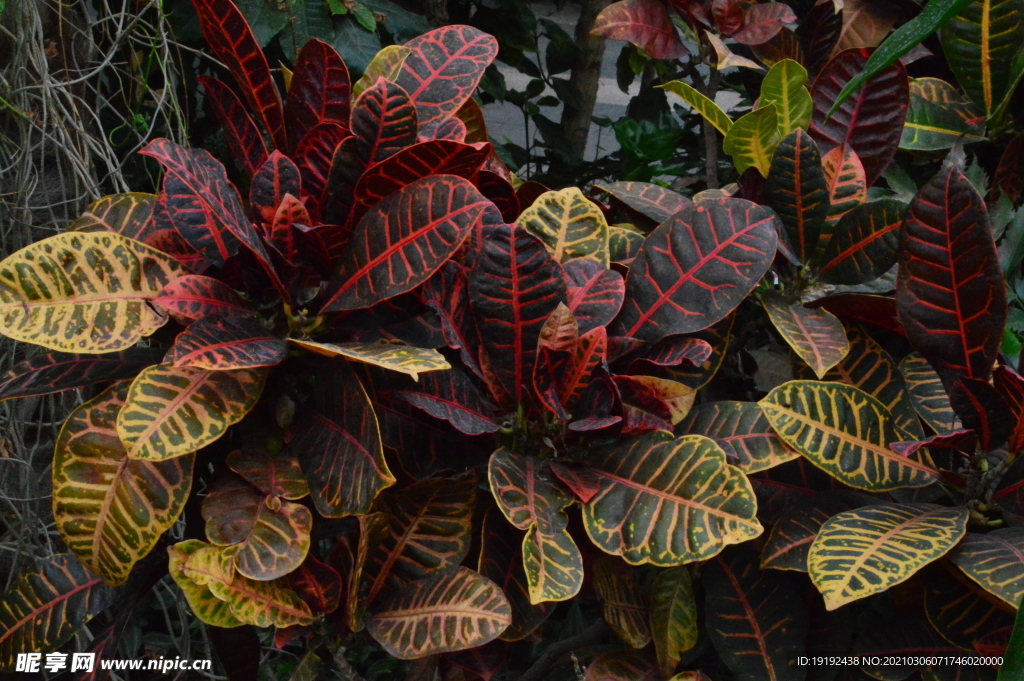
(166, 239)
(995, 561)
(514, 286)
(500, 192)
(194, 296)
(451, 396)
(756, 619)
(982, 410)
(950, 290)
(277, 475)
(243, 137)
(650, 200)
(816, 336)
(696, 268)
(232, 41)
(595, 293)
(451, 129)
(672, 351)
(794, 531)
(652, 483)
(645, 23)
(220, 343)
(763, 22)
(783, 45)
(743, 427)
(450, 611)
(1010, 386)
(314, 156)
(642, 405)
(404, 239)
(277, 176)
(447, 294)
(129, 215)
(319, 91)
(589, 353)
(964, 441)
(57, 371)
(847, 185)
(864, 243)
(797, 191)
(583, 482)
(728, 14)
(871, 120)
(718, 336)
(818, 33)
(443, 70)
(625, 610)
(960, 610)
(318, 584)
(339, 445)
(289, 229)
(439, 157)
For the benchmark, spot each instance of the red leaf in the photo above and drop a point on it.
(590, 352)
(57, 371)
(500, 192)
(318, 584)
(242, 135)
(871, 120)
(862, 307)
(284, 233)
(763, 22)
(451, 129)
(483, 661)
(451, 396)
(314, 156)
(194, 297)
(438, 157)
(818, 33)
(528, 193)
(515, 284)
(233, 43)
(642, 408)
(645, 23)
(404, 239)
(1009, 177)
(950, 290)
(1010, 386)
(319, 93)
(696, 268)
(276, 177)
(583, 482)
(444, 68)
(670, 352)
(982, 410)
(963, 441)
(220, 343)
(168, 241)
(728, 14)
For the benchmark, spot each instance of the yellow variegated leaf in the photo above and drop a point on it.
(125, 214)
(83, 292)
(625, 610)
(393, 356)
(816, 336)
(673, 616)
(111, 510)
(172, 411)
(211, 564)
(995, 561)
(553, 564)
(207, 607)
(569, 224)
(865, 551)
(752, 140)
(701, 104)
(677, 396)
(927, 394)
(727, 57)
(785, 87)
(846, 432)
(386, 64)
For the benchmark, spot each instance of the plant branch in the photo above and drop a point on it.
(539, 670)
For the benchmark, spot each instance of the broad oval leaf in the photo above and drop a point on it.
(172, 411)
(950, 290)
(450, 611)
(47, 604)
(797, 191)
(624, 608)
(673, 616)
(816, 336)
(277, 177)
(207, 607)
(624, 243)
(865, 551)
(525, 493)
(111, 510)
(404, 239)
(694, 269)
(957, 609)
(193, 297)
(393, 356)
(995, 561)
(553, 564)
(871, 121)
(752, 139)
(937, 117)
(927, 394)
(318, 584)
(221, 343)
(653, 484)
(278, 474)
(845, 432)
(569, 224)
(128, 214)
(627, 665)
(651, 200)
(339, 444)
(744, 428)
(847, 185)
(645, 23)
(818, 33)
(443, 69)
(55, 372)
(794, 531)
(763, 22)
(785, 86)
(864, 243)
(83, 292)
(595, 293)
(756, 619)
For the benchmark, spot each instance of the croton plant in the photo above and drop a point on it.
(380, 394)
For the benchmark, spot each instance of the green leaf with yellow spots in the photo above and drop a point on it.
(207, 607)
(625, 609)
(125, 214)
(569, 224)
(402, 358)
(995, 561)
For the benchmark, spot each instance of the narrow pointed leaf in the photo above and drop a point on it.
(652, 483)
(865, 551)
(864, 243)
(393, 356)
(742, 426)
(221, 343)
(276, 177)
(569, 224)
(241, 133)
(339, 446)
(756, 619)
(386, 64)
(938, 116)
(950, 290)
(995, 561)
(797, 191)
(815, 335)
(645, 23)
(56, 372)
(847, 185)
(651, 200)
(1009, 175)
(871, 121)
(590, 352)
(624, 608)
(314, 156)
(694, 269)
(89, 292)
(845, 432)
(785, 86)
(319, 92)
(404, 239)
(595, 293)
(752, 139)
(207, 607)
(928, 394)
(981, 410)
(701, 104)
(111, 510)
(129, 215)
(673, 616)
(450, 611)
(451, 396)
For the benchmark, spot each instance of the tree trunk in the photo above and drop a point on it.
(585, 78)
